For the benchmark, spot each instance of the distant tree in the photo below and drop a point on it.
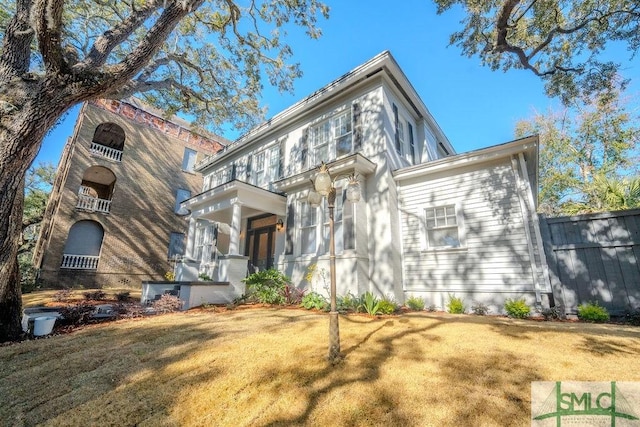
(585, 151)
(561, 41)
(205, 59)
(38, 185)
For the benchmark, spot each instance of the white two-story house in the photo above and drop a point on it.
(429, 223)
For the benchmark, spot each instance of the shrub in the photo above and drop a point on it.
(62, 295)
(387, 306)
(128, 311)
(517, 308)
(267, 286)
(633, 317)
(552, 313)
(455, 305)
(77, 314)
(592, 312)
(480, 309)
(432, 308)
(348, 302)
(170, 276)
(204, 277)
(370, 304)
(167, 304)
(95, 295)
(292, 295)
(123, 296)
(314, 300)
(415, 303)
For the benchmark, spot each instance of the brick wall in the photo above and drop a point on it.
(137, 229)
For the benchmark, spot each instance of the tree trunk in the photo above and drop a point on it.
(23, 126)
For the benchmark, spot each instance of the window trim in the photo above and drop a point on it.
(331, 143)
(185, 160)
(424, 230)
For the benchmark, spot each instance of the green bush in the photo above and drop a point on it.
(455, 305)
(348, 302)
(592, 312)
(267, 286)
(314, 300)
(387, 306)
(517, 308)
(370, 303)
(415, 303)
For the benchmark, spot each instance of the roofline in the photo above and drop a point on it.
(471, 158)
(384, 61)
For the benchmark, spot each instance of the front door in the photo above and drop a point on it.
(261, 241)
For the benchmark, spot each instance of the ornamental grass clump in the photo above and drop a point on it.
(415, 303)
(592, 312)
(517, 308)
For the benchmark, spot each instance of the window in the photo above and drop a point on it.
(443, 228)
(181, 196)
(204, 242)
(176, 244)
(412, 144)
(259, 170)
(342, 223)
(274, 163)
(189, 160)
(308, 228)
(332, 138)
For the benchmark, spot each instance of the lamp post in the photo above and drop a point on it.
(323, 186)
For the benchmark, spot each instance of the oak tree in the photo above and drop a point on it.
(563, 42)
(206, 59)
(589, 156)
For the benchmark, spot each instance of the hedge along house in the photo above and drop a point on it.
(429, 222)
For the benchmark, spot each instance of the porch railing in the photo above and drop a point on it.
(80, 262)
(94, 204)
(106, 152)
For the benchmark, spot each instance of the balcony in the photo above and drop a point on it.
(88, 202)
(106, 152)
(79, 262)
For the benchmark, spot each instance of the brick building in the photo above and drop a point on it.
(113, 216)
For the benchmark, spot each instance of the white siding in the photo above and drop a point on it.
(496, 256)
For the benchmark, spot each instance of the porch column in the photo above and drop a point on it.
(236, 223)
(191, 237)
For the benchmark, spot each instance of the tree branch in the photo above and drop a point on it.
(15, 56)
(47, 18)
(152, 41)
(111, 38)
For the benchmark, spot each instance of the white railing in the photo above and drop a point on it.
(93, 204)
(106, 152)
(80, 262)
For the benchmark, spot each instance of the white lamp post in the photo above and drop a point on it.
(324, 187)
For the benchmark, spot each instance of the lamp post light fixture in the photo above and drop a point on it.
(324, 186)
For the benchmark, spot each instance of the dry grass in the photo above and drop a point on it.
(267, 367)
(38, 298)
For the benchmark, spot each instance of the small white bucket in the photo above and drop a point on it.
(43, 325)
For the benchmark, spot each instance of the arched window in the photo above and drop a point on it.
(82, 249)
(96, 189)
(108, 141)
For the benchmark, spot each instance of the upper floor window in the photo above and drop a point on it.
(219, 177)
(412, 145)
(181, 196)
(189, 160)
(259, 169)
(332, 138)
(443, 227)
(108, 141)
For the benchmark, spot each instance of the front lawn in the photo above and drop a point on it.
(267, 366)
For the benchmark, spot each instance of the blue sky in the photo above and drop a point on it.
(475, 107)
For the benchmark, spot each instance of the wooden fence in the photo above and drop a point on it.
(594, 257)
